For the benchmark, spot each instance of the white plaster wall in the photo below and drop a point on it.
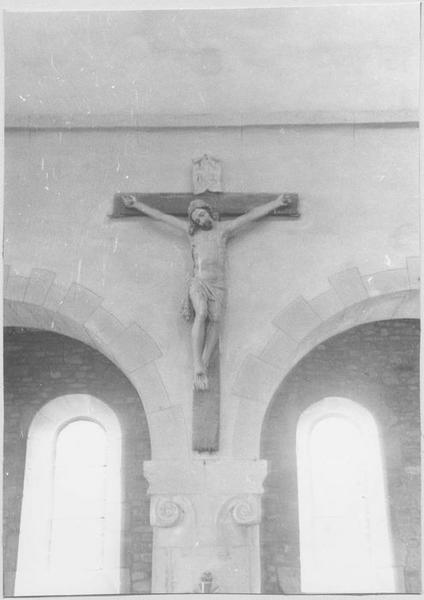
(319, 58)
(358, 189)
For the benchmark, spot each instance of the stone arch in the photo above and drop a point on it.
(38, 301)
(352, 299)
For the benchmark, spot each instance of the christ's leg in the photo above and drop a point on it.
(198, 334)
(215, 308)
(198, 339)
(212, 335)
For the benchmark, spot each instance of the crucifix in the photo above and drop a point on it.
(204, 302)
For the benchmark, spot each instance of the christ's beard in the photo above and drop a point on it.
(206, 226)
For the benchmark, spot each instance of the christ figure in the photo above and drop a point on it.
(206, 291)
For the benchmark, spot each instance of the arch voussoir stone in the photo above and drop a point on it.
(297, 319)
(169, 434)
(17, 313)
(152, 390)
(413, 266)
(135, 347)
(409, 307)
(103, 326)
(247, 438)
(16, 287)
(79, 303)
(256, 379)
(349, 286)
(279, 350)
(40, 281)
(326, 304)
(9, 312)
(6, 271)
(386, 282)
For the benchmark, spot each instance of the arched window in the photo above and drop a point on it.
(345, 541)
(69, 540)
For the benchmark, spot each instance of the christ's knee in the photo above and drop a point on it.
(201, 315)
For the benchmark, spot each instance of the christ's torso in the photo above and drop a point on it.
(208, 252)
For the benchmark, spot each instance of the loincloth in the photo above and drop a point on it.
(213, 294)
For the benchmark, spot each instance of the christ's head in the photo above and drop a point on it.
(201, 216)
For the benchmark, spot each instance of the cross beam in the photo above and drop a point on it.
(227, 204)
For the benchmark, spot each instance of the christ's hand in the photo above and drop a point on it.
(283, 201)
(129, 200)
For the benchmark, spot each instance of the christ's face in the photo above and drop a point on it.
(202, 218)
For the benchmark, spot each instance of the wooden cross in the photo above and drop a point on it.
(206, 403)
(228, 205)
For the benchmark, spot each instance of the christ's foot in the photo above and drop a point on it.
(201, 381)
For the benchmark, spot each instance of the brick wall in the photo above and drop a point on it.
(376, 365)
(38, 367)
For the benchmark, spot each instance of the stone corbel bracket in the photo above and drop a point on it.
(245, 509)
(166, 511)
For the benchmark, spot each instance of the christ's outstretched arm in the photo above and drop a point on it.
(256, 213)
(131, 202)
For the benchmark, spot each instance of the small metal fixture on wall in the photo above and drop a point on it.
(206, 584)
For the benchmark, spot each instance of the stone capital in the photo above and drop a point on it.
(245, 510)
(214, 476)
(166, 511)
(205, 515)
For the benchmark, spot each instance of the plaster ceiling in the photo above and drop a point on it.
(212, 61)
